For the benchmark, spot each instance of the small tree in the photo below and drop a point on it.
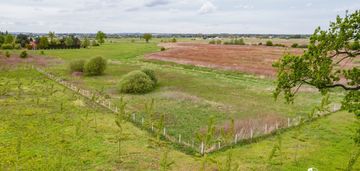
(22, 39)
(9, 39)
(43, 43)
(69, 41)
(100, 37)
(52, 37)
(147, 37)
(321, 65)
(85, 43)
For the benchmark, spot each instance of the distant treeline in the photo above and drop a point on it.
(49, 41)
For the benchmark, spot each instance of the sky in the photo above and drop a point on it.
(171, 16)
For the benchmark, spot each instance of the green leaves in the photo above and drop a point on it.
(323, 64)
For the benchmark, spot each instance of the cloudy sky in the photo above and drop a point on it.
(171, 16)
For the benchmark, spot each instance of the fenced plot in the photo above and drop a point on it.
(245, 133)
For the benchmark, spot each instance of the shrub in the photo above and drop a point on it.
(23, 54)
(77, 66)
(295, 45)
(162, 49)
(95, 43)
(136, 82)
(7, 46)
(96, 66)
(303, 46)
(269, 43)
(218, 42)
(42, 52)
(212, 42)
(260, 44)
(235, 42)
(151, 74)
(280, 45)
(7, 54)
(17, 46)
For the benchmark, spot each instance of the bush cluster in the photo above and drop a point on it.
(138, 82)
(95, 66)
(235, 42)
(7, 46)
(218, 42)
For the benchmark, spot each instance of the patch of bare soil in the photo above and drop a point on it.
(14, 60)
(247, 58)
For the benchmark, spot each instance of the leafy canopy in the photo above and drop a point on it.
(100, 37)
(147, 37)
(330, 61)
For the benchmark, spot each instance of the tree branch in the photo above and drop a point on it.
(345, 87)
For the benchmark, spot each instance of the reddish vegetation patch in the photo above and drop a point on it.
(31, 59)
(77, 74)
(248, 59)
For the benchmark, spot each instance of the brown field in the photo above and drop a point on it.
(247, 58)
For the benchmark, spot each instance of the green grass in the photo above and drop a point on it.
(184, 93)
(39, 136)
(324, 144)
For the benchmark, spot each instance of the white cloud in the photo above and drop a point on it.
(177, 16)
(309, 4)
(207, 7)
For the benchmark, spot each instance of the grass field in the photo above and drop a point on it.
(80, 136)
(54, 133)
(184, 94)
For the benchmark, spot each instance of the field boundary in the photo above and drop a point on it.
(244, 136)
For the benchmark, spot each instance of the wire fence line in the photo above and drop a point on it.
(245, 133)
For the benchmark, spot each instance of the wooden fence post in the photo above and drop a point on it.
(251, 133)
(236, 138)
(202, 147)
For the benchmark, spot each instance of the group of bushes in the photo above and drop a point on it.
(217, 42)
(295, 45)
(93, 67)
(135, 82)
(235, 42)
(23, 54)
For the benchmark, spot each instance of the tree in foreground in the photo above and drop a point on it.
(147, 37)
(323, 66)
(100, 37)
